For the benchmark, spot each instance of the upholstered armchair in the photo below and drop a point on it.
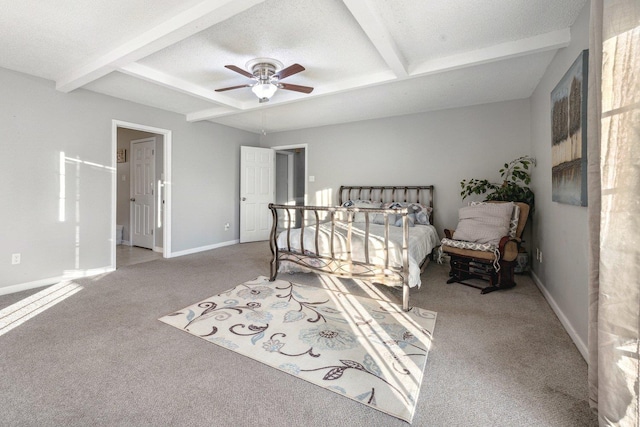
(486, 243)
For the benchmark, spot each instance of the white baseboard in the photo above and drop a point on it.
(582, 347)
(68, 275)
(154, 249)
(203, 248)
(29, 285)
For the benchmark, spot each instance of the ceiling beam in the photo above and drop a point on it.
(365, 13)
(503, 51)
(540, 43)
(200, 115)
(179, 27)
(158, 77)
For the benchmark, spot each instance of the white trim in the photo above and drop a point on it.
(114, 192)
(205, 248)
(167, 148)
(29, 285)
(70, 274)
(582, 347)
(157, 249)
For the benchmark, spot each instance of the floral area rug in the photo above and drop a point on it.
(368, 350)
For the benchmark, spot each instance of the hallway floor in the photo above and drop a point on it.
(130, 255)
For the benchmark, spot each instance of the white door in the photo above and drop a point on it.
(257, 190)
(142, 191)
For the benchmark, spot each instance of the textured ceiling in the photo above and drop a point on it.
(365, 58)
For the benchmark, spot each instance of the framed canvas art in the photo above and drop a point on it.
(569, 135)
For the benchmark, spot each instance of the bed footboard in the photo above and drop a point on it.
(330, 252)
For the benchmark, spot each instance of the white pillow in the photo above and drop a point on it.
(515, 217)
(484, 223)
(359, 217)
(378, 218)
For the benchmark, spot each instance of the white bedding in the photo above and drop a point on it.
(422, 240)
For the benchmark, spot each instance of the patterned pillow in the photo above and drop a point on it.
(410, 221)
(515, 217)
(360, 217)
(379, 218)
(484, 223)
(418, 214)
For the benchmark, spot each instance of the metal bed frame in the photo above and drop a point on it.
(347, 267)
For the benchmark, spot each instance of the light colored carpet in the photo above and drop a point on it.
(365, 349)
(101, 358)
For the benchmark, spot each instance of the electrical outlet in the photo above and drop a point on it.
(15, 259)
(540, 258)
(227, 226)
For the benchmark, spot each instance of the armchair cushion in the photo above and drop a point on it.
(448, 244)
(484, 223)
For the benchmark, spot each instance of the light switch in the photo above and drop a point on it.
(312, 178)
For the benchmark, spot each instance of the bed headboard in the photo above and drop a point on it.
(413, 194)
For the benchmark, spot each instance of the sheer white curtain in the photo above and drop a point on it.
(614, 212)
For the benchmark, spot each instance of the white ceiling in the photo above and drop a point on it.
(365, 58)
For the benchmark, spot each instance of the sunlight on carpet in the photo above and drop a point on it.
(366, 349)
(16, 314)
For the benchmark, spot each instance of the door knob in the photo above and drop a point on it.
(133, 199)
(243, 199)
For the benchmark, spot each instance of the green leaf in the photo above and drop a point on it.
(513, 187)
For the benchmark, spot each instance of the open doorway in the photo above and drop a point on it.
(141, 218)
(291, 174)
(266, 175)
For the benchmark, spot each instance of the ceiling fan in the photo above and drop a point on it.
(267, 74)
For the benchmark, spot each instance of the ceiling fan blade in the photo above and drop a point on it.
(289, 71)
(239, 70)
(297, 88)
(232, 87)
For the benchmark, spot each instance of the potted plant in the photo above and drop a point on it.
(513, 188)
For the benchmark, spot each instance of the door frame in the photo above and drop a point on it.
(306, 164)
(156, 193)
(166, 209)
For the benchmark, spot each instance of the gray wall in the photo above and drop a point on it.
(38, 123)
(439, 148)
(560, 230)
(282, 178)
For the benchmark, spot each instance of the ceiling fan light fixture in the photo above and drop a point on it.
(267, 75)
(264, 90)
